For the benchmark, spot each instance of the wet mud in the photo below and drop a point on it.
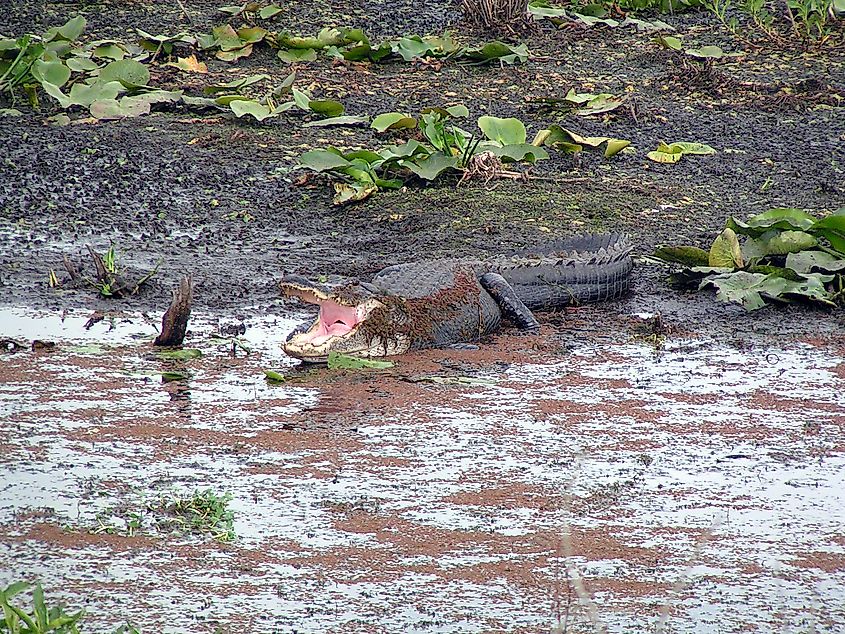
(695, 465)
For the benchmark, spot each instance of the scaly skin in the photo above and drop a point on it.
(439, 303)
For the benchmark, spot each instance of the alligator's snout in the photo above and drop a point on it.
(342, 324)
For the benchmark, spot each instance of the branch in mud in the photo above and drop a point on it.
(174, 324)
(110, 282)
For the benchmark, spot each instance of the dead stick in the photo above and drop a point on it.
(174, 324)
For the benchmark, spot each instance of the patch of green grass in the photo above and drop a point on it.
(204, 512)
(38, 619)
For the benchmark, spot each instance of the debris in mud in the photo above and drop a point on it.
(111, 280)
(11, 346)
(174, 323)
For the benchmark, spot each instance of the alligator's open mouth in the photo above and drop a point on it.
(336, 322)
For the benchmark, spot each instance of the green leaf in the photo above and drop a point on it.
(326, 107)
(127, 71)
(393, 121)
(269, 11)
(39, 607)
(498, 51)
(274, 377)
(665, 157)
(591, 20)
(789, 242)
(54, 73)
(337, 361)
(709, 52)
(233, 9)
(226, 38)
(81, 64)
(258, 111)
(251, 34)
(234, 85)
(685, 147)
(412, 47)
(234, 54)
(780, 218)
(85, 95)
(832, 227)
(294, 55)
(348, 120)
(352, 192)
(301, 99)
(127, 107)
(432, 166)
(509, 131)
(726, 251)
(322, 160)
(747, 288)
(614, 146)
(688, 256)
(519, 152)
(404, 150)
(458, 111)
(180, 354)
(670, 41)
(108, 51)
(70, 30)
(739, 287)
(806, 261)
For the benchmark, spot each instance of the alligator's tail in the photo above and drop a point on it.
(579, 270)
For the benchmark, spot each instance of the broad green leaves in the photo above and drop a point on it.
(353, 45)
(784, 257)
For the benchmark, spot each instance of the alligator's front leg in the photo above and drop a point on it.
(506, 299)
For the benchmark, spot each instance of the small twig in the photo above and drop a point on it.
(70, 267)
(185, 11)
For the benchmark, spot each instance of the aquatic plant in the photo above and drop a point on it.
(786, 254)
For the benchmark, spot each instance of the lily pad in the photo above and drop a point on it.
(725, 251)
(180, 354)
(326, 107)
(258, 111)
(128, 72)
(509, 131)
(54, 73)
(294, 55)
(337, 361)
(432, 166)
(806, 261)
(322, 160)
(393, 121)
(688, 256)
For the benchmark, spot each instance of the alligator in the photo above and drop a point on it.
(441, 303)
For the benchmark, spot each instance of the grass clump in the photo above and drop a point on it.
(205, 512)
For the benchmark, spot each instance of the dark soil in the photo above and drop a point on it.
(219, 198)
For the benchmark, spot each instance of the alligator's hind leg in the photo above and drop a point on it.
(506, 299)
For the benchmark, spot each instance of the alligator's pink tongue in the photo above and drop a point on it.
(334, 320)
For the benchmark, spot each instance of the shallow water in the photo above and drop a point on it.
(707, 473)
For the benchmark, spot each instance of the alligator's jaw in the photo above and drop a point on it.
(338, 328)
